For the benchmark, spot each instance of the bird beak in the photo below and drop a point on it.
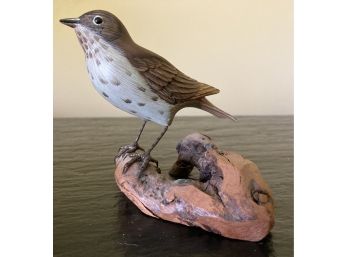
(71, 22)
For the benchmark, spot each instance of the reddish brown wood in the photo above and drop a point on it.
(230, 197)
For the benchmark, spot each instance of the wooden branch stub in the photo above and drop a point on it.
(229, 198)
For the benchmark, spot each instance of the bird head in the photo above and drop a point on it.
(99, 22)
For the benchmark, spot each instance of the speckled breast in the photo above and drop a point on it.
(119, 82)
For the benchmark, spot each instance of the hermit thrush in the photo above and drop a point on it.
(135, 79)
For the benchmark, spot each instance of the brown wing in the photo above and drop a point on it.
(169, 83)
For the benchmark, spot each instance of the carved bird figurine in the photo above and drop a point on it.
(135, 79)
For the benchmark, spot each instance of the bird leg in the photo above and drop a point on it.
(144, 158)
(132, 147)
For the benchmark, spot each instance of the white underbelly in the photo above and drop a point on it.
(123, 86)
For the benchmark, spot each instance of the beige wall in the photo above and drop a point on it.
(242, 47)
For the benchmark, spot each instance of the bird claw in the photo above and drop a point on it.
(144, 158)
(128, 149)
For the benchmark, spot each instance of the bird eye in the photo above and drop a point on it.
(97, 20)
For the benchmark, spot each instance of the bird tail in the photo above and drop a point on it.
(209, 107)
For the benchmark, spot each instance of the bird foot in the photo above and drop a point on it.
(144, 158)
(128, 149)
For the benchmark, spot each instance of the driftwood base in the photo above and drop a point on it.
(229, 197)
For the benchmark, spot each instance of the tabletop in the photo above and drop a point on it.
(93, 218)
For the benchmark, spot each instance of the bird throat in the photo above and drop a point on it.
(90, 42)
